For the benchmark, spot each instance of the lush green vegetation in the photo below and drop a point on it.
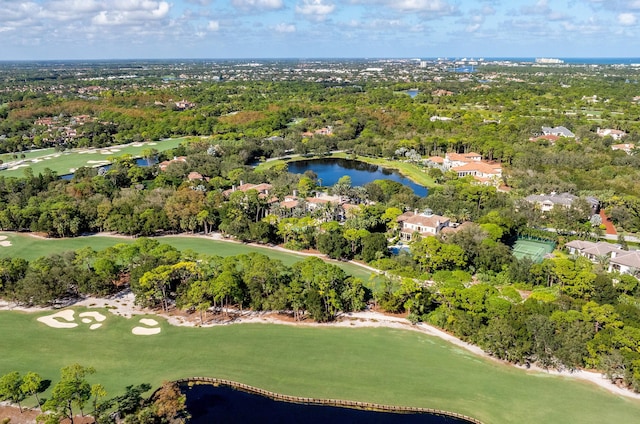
(30, 248)
(375, 365)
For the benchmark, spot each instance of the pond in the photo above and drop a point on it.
(209, 404)
(139, 162)
(330, 170)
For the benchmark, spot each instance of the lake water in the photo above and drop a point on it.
(361, 173)
(139, 162)
(208, 404)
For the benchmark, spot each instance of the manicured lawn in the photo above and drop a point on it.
(64, 162)
(28, 247)
(377, 365)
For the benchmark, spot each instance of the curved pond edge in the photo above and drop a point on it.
(367, 406)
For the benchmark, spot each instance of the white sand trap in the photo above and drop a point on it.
(149, 321)
(102, 152)
(47, 158)
(115, 150)
(137, 144)
(92, 316)
(13, 168)
(36, 160)
(3, 237)
(144, 331)
(95, 326)
(72, 170)
(98, 161)
(152, 144)
(5, 243)
(54, 320)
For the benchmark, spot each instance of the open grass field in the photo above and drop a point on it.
(67, 161)
(380, 365)
(29, 247)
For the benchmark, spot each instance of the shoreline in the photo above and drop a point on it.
(123, 304)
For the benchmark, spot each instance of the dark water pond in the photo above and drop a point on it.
(208, 404)
(331, 170)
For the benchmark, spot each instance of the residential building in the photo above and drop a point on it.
(625, 147)
(558, 131)
(547, 202)
(617, 259)
(425, 223)
(615, 134)
(176, 159)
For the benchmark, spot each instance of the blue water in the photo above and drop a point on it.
(329, 171)
(413, 93)
(208, 404)
(139, 162)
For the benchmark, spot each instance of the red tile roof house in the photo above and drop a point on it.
(625, 147)
(262, 189)
(163, 165)
(426, 224)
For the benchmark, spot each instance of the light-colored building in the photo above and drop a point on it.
(558, 131)
(615, 134)
(619, 260)
(425, 223)
(547, 202)
(625, 147)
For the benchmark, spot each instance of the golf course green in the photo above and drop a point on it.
(387, 366)
(67, 161)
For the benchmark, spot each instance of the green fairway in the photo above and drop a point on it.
(29, 247)
(67, 161)
(386, 366)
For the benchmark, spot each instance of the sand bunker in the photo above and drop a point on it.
(146, 331)
(148, 321)
(4, 242)
(54, 320)
(98, 161)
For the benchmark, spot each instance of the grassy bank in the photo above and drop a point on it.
(29, 247)
(380, 365)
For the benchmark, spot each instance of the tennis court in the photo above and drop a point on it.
(534, 249)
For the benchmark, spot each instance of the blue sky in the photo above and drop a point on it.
(112, 29)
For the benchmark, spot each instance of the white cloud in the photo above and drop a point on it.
(627, 19)
(258, 4)
(315, 9)
(285, 28)
(213, 26)
(132, 12)
(431, 6)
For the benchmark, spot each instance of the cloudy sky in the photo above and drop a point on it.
(112, 29)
